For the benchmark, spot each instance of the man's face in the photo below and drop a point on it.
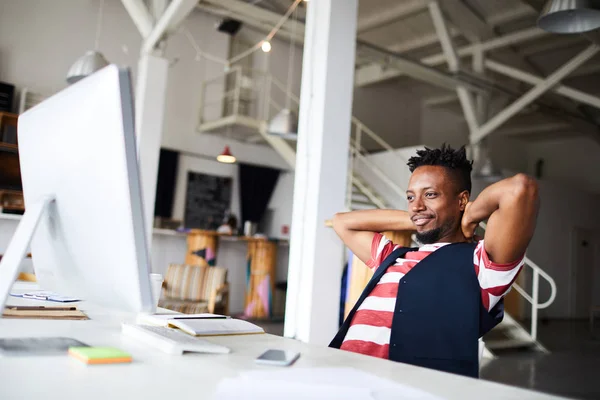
(435, 204)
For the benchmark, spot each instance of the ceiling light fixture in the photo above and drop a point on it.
(266, 46)
(570, 16)
(91, 61)
(226, 156)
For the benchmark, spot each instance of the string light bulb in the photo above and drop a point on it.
(266, 46)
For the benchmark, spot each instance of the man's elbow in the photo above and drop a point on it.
(338, 222)
(525, 189)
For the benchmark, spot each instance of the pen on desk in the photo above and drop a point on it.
(41, 308)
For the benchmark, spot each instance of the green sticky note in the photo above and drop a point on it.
(99, 355)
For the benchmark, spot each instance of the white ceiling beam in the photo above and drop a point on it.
(420, 42)
(411, 68)
(467, 22)
(369, 77)
(170, 20)
(440, 101)
(466, 101)
(476, 29)
(556, 43)
(254, 16)
(529, 97)
(513, 14)
(402, 9)
(140, 15)
(157, 8)
(526, 77)
(527, 129)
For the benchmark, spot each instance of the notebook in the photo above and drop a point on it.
(164, 319)
(215, 327)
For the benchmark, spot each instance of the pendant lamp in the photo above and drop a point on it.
(570, 16)
(226, 156)
(91, 61)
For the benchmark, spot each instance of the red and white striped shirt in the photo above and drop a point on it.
(370, 329)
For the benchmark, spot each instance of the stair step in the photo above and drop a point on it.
(509, 344)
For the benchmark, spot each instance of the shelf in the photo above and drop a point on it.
(13, 148)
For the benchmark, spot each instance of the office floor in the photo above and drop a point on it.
(571, 369)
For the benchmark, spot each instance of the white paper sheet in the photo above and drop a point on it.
(236, 389)
(317, 383)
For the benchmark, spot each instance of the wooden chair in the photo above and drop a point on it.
(195, 289)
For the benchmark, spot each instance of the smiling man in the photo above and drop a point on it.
(428, 306)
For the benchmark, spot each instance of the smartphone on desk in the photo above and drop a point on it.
(278, 357)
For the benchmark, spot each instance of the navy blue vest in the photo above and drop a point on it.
(439, 316)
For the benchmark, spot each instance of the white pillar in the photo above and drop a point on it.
(316, 253)
(151, 92)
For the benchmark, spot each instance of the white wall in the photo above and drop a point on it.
(571, 162)
(561, 210)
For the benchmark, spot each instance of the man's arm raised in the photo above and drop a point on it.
(357, 228)
(511, 206)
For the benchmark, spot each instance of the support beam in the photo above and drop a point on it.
(477, 30)
(140, 15)
(523, 76)
(157, 8)
(467, 22)
(466, 101)
(150, 97)
(175, 13)
(316, 253)
(408, 67)
(534, 93)
(256, 17)
(367, 75)
(402, 9)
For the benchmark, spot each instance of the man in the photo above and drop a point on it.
(428, 306)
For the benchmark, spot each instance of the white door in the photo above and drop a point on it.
(584, 270)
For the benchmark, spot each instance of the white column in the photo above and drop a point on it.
(316, 253)
(151, 92)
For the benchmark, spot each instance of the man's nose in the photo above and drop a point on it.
(417, 204)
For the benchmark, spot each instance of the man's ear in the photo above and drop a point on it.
(463, 198)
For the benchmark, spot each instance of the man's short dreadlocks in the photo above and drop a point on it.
(455, 161)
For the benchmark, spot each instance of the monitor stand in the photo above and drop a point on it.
(17, 248)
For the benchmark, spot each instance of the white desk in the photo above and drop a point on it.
(156, 375)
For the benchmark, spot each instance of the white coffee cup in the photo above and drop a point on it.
(156, 281)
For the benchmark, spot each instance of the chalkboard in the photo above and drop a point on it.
(207, 199)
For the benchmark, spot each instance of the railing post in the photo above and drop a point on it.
(350, 179)
(534, 304)
(201, 101)
(237, 93)
(267, 98)
(358, 139)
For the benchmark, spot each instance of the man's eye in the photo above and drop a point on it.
(430, 194)
(409, 198)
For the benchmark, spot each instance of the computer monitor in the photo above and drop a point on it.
(83, 205)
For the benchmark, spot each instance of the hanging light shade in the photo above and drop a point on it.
(284, 124)
(570, 16)
(86, 65)
(226, 156)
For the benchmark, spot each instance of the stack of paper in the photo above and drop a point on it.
(316, 383)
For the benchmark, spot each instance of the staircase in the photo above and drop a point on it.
(255, 97)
